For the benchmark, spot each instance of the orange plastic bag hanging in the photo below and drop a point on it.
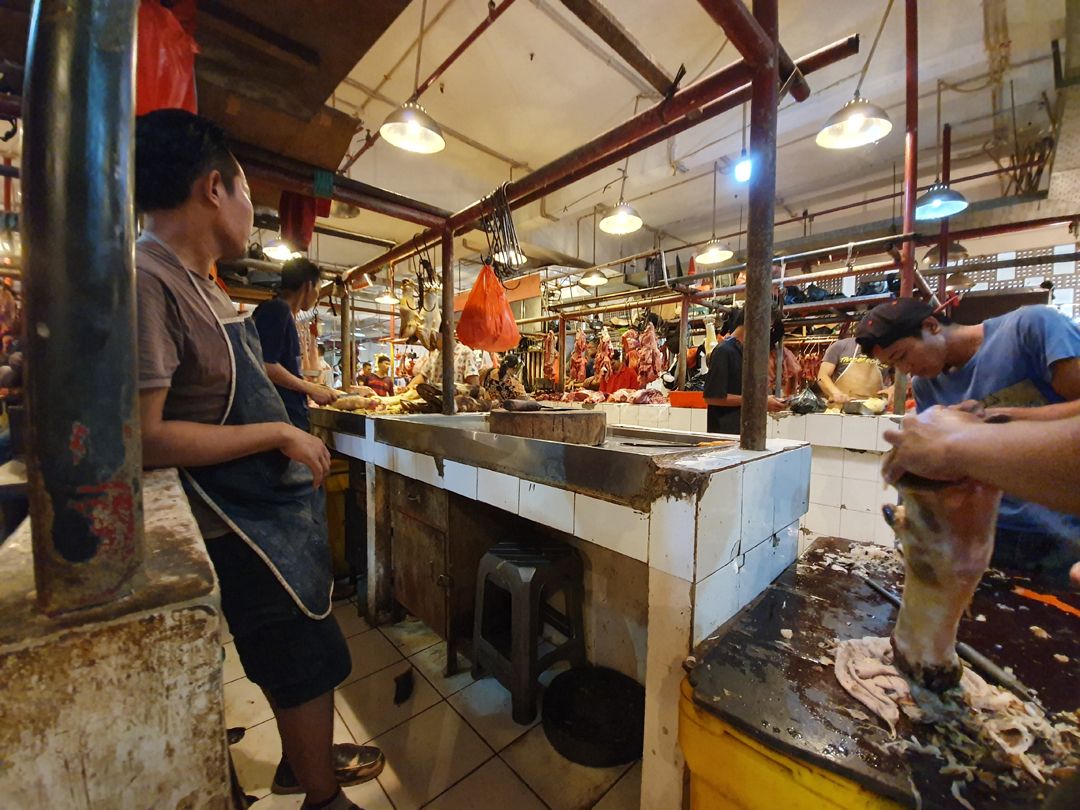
(487, 323)
(165, 61)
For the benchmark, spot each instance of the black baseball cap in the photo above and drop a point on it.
(892, 321)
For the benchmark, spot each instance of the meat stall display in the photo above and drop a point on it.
(602, 370)
(651, 363)
(578, 360)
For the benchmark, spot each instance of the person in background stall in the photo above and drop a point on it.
(723, 383)
(365, 374)
(503, 382)
(429, 369)
(847, 372)
(207, 406)
(1024, 365)
(622, 376)
(326, 371)
(381, 382)
(276, 321)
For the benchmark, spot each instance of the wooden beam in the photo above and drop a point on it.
(231, 24)
(603, 23)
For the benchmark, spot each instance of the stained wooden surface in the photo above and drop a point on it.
(781, 692)
(573, 427)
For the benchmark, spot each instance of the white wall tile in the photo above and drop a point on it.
(754, 573)
(646, 415)
(825, 460)
(719, 521)
(716, 599)
(886, 423)
(772, 428)
(349, 445)
(612, 525)
(628, 414)
(791, 490)
(672, 526)
(825, 429)
(860, 526)
(680, 419)
(883, 532)
(424, 469)
(759, 479)
(785, 548)
(460, 478)
(859, 432)
(864, 466)
(550, 506)
(615, 413)
(404, 462)
(826, 490)
(699, 420)
(382, 455)
(663, 415)
(823, 520)
(498, 489)
(862, 496)
(793, 426)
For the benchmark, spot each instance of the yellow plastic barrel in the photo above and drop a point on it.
(729, 769)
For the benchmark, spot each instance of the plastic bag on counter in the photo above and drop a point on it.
(807, 401)
(487, 323)
(165, 61)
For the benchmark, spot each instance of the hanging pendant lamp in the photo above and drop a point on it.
(745, 166)
(939, 201)
(622, 219)
(715, 251)
(593, 278)
(954, 253)
(512, 258)
(410, 127)
(859, 122)
(388, 297)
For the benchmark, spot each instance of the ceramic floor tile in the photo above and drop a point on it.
(575, 788)
(487, 707)
(410, 636)
(370, 652)
(493, 785)
(369, 796)
(626, 795)
(232, 669)
(427, 755)
(350, 622)
(432, 662)
(256, 756)
(245, 704)
(368, 707)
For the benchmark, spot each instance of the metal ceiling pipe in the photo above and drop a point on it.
(759, 242)
(84, 454)
(685, 107)
(911, 141)
(745, 33)
(492, 16)
(808, 64)
(1012, 227)
(298, 176)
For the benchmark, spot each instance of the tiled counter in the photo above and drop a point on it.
(700, 555)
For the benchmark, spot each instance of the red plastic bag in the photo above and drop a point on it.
(165, 61)
(487, 323)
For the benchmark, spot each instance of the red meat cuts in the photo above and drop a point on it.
(578, 361)
(946, 532)
(583, 396)
(651, 364)
(631, 349)
(602, 370)
(550, 356)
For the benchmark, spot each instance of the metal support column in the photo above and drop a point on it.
(447, 328)
(78, 229)
(943, 236)
(911, 171)
(348, 350)
(759, 243)
(684, 342)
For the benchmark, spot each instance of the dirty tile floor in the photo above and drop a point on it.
(451, 746)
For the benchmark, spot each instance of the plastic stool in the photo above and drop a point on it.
(526, 575)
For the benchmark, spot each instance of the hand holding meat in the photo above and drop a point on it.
(322, 395)
(923, 446)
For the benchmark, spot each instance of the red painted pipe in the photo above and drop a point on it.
(434, 77)
(911, 141)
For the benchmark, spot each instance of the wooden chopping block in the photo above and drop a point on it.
(572, 427)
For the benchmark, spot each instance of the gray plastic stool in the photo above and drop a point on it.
(526, 575)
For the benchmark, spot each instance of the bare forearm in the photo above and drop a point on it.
(1033, 461)
(191, 444)
(1046, 413)
(283, 378)
(828, 386)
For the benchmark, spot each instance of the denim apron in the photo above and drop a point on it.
(267, 498)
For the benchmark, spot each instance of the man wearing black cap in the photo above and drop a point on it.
(1025, 364)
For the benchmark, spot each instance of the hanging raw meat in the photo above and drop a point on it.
(631, 349)
(651, 364)
(551, 354)
(578, 361)
(602, 370)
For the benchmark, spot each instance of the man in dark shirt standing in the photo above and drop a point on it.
(723, 384)
(276, 322)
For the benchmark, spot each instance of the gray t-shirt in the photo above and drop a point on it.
(182, 346)
(843, 353)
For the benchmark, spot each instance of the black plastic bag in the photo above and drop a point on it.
(807, 401)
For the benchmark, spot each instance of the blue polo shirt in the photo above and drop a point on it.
(1012, 368)
(281, 344)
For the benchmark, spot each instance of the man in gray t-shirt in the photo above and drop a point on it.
(847, 372)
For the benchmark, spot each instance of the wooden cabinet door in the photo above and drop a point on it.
(419, 562)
